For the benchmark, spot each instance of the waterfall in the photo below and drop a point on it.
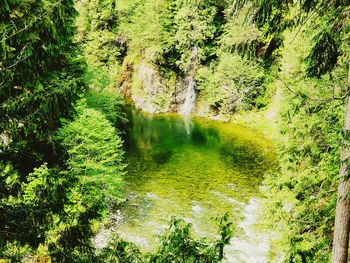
(189, 104)
(187, 124)
(190, 98)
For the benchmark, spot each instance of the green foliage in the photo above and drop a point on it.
(13, 252)
(164, 32)
(103, 48)
(142, 22)
(40, 69)
(45, 217)
(325, 52)
(330, 22)
(95, 163)
(121, 251)
(56, 206)
(95, 155)
(97, 26)
(240, 35)
(302, 196)
(233, 85)
(175, 38)
(195, 27)
(111, 105)
(40, 79)
(176, 245)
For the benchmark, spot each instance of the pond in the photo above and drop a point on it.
(197, 169)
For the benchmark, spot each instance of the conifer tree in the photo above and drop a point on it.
(40, 73)
(330, 48)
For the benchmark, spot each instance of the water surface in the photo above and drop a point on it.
(197, 169)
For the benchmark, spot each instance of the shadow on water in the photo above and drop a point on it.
(161, 156)
(197, 169)
(198, 136)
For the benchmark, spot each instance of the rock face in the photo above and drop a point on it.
(153, 94)
(190, 98)
(189, 102)
(184, 95)
(150, 92)
(4, 140)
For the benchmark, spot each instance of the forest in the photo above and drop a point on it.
(174, 131)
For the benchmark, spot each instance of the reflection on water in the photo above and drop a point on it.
(197, 169)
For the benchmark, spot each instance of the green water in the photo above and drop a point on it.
(197, 169)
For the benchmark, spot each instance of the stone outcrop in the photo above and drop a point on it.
(151, 93)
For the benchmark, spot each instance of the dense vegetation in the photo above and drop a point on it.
(173, 39)
(313, 123)
(61, 155)
(62, 119)
(176, 245)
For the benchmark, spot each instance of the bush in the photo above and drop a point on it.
(95, 155)
(111, 105)
(177, 245)
(234, 84)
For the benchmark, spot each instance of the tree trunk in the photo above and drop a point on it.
(342, 212)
